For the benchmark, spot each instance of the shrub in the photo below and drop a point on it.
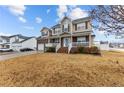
(94, 50)
(74, 50)
(80, 49)
(85, 50)
(50, 49)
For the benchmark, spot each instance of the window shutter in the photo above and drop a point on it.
(75, 27)
(86, 25)
(68, 27)
(62, 27)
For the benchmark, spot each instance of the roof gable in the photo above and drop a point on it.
(80, 20)
(65, 19)
(45, 28)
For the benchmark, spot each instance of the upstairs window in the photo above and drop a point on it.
(44, 33)
(81, 26)
(66, 28)
(56, 31)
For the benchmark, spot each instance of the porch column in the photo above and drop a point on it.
(90, 40)
(48, 40)
(60, 41)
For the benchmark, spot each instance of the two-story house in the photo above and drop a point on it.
(4, 42)
(18, 42)
(69, 33)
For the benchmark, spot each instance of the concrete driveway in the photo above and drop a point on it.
(16, 54)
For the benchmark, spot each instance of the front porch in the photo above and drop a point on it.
(69, 41)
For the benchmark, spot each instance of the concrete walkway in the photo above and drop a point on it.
(16, 54)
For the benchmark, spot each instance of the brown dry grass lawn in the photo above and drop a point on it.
(51, 69)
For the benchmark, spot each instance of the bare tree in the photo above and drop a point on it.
(109, 19)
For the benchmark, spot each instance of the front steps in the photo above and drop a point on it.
(63, 50)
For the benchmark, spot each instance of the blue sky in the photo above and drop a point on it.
(28, 20)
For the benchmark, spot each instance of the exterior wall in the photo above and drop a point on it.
(16, 46)
(46, 32)
(41, 47)
(31, 43)
(4, 43)
(56, 31)
(1, 46)
(13, 39)
(66, 22)
(82, 25)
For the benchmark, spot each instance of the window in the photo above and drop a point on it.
(56, 30)
(81, 39)
(81, 26)
(44, 33)
(66, 28)
(1, 41)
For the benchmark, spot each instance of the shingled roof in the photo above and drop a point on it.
(20, 36)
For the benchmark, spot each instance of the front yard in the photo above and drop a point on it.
(54, 69)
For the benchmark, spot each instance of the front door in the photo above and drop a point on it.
(66, 42)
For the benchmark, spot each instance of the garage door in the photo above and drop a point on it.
(40, 46)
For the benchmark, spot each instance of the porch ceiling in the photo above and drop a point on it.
(51, 37)
(81, 34)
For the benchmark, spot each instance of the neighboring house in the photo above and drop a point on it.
(4, 42)
(69, 33)
(18, 42)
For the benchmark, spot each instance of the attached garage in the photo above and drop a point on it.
(41, 47)
(41, 43)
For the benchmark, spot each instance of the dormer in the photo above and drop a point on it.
(66, 24)
(56, 30)
(45, 32)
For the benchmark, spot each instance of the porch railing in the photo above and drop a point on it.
(51, 44)
(75, 44)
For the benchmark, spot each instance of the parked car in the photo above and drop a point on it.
(5, 50)
(26, 49)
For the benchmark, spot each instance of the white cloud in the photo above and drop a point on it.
(22, 19)
(4, 34)
(78, 13)
(61, 11)
(17, 10)
(29, 27)
(48, 10)
(73, 11)
(38, 20)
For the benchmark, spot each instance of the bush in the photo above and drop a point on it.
(85, 50)
(26, 49)
(50, 49)
(94, 50)
(74, 50)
